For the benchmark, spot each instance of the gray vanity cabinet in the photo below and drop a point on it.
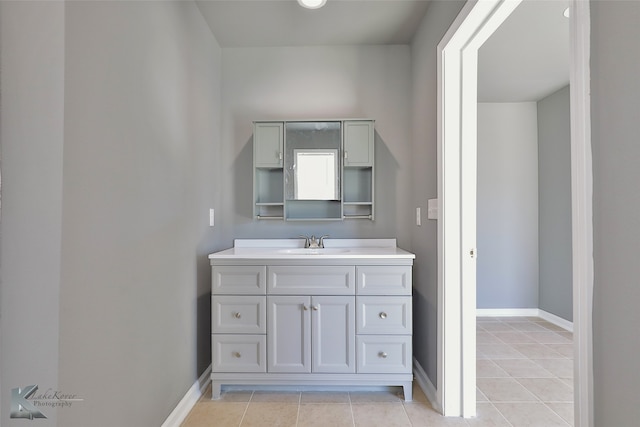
(318, 322)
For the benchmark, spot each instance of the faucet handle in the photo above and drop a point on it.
(306, 240)
(321, 243)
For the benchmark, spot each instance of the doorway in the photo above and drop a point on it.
(457, 156)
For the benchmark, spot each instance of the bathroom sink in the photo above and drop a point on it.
(314, 251)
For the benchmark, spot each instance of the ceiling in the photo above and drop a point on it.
(265, 23)
(525, 60)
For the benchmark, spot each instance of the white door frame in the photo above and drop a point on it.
(457, 140)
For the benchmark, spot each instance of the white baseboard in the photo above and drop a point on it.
(525, 312)
(180, 412)
(556, 320)
(507, 312)
(426, 385)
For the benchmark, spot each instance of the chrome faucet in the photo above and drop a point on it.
(312, 242)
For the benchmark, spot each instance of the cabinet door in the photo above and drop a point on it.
(333, 334)
(268, 142)
(358, 143)
(288, 334)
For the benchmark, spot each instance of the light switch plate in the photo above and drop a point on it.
(212, 217)
(432, 209)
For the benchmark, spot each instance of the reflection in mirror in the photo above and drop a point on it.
(312, 161)
(315, 174)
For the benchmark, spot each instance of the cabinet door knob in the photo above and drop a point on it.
(383, 315)
(237, 354)
(314, 307)
(304, 307)
(382, 354)
(237, 315)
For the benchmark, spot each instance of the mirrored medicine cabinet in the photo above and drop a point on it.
(313, 170)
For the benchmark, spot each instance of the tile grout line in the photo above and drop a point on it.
(559, 416)
(246, 408)
(403, 403)
(353, 418)
(501, 414)
(298, 414)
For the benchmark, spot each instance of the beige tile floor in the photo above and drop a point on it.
(524, 368)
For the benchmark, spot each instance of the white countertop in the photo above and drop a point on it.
(294, 249)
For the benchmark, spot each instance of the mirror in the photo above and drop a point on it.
(312, 160)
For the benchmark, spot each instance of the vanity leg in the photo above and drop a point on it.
(407, 388)
(215, 390)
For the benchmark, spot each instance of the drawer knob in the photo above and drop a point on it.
(237, 354)
(237, 315)
(383, 315)
(382, 354)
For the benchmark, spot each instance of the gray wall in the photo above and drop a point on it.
(554, 160)
(615, 67)
(105, 279)
(123, 328)
(31, 137)
(316, 83)
(507, 206)
(424, 56)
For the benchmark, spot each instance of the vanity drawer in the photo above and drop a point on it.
(238, 353)
(238, 279)
(238, 314)
(384, 354)
(384, 280)
(311, 280)
(383, 315)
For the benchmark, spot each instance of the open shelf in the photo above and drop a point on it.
(357, 185)
(313, 210)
